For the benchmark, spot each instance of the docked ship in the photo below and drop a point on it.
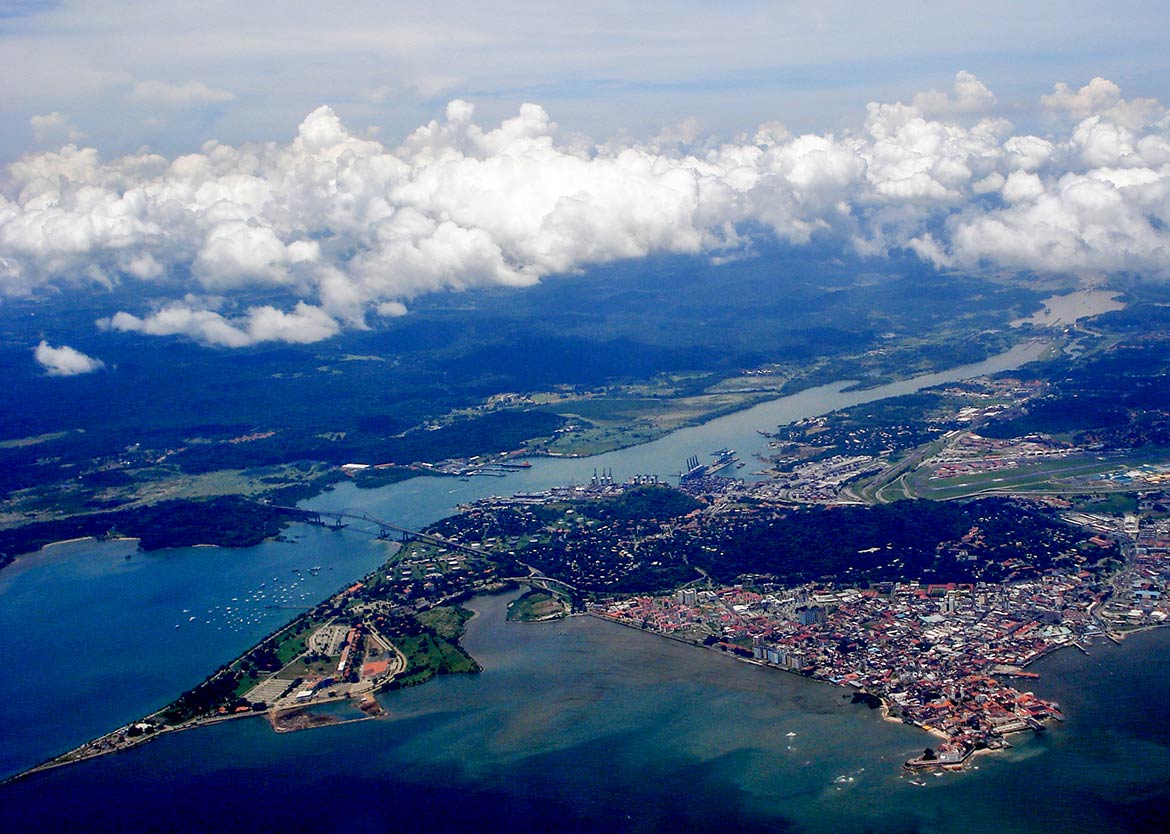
(723, 458)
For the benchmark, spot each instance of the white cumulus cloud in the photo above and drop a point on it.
(1101, 97)
(970, 95)
(64, 360)
(305, 324)
(55, 127)
(337, 228)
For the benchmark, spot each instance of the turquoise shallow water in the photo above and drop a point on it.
(92, 640)
(591, 726)
(583, 724)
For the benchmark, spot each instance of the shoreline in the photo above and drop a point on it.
(747, 405)
(885, 714)
(15, 558)
(884, 706)
(65, 541)
(1121, 635)
(59, 542)
(145, 738)
(273, 717)
(709, 418)
(63, 760)
(194, 724)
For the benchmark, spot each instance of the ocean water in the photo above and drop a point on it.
(585, 725)
(574, 725)
(90, 640)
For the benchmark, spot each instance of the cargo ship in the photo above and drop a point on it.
(723, 458)
(694, 470)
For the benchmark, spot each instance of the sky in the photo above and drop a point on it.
(353, 156)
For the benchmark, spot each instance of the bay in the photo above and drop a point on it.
(1065, 310)
(93, 639)
(586, 725)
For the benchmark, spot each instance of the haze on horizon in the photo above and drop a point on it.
(148, 146)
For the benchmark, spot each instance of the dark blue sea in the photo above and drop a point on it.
(573, 726)
(584, 725)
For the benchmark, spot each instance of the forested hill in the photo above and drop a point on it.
(990, 540)
(228, 521)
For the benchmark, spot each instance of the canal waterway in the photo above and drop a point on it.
(1065, 310)
(97, 634)
(421, 501)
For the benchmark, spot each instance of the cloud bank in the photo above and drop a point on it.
(346, 228)
(64, 360)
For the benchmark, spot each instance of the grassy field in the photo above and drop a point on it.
(1075, 473)
(247, 683)
(292, 643)
(616, 422)
(428, 655)
(447, 620)
(301, 669)
(535, 605)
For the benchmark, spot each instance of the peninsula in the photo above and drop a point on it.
(934, 654)
(922, 551)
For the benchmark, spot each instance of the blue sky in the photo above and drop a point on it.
(171, 75)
